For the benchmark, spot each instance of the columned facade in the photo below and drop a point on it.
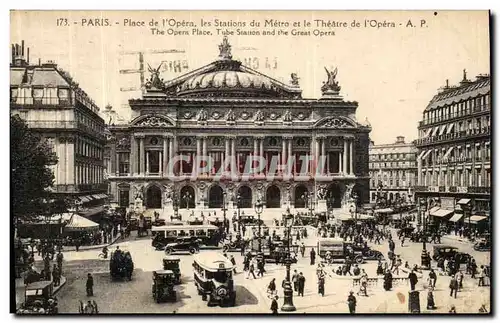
(250, 136)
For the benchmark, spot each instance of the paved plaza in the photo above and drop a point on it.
(136, 296)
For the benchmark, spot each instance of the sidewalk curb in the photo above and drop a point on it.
(93, 247)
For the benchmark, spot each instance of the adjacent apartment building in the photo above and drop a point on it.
(454, 152)
(57, 108)
(393, 171)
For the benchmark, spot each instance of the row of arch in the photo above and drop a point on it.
(216, 196)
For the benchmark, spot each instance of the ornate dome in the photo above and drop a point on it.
(227, 77)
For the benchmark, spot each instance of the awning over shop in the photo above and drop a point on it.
(450, 127)
(428, 133)
(434, 209)
(421, 154)
(474, 219)
(96, 197)
(448, 152)
(85, 199)
(426, 154)
(434, 131)
(387, 210)
(92, 211)
(463, 201)
(456, 217)
(442, 212)
(79, 223)
(441, 131)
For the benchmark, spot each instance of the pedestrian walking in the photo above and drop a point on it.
(453, 286)
(380, 269)
(312, 255)
(274, 305)
(388, 280)
(302, 249)
(363, 284)
(233, 261)
(271, 288)
(302, 283)
(473, 268)
(321, 285)
(295, 280)
(59, 260)
(481, 276)
(432, 278)
(413, 280)
(402, 241)
(351, 302)
(90, 285)
(430, 299)
(460, 280)
(251, 269)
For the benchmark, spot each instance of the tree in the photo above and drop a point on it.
(31, 177)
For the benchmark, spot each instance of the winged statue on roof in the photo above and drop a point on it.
(155, 81)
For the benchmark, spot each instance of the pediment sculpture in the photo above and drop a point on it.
(155, 81)
(288, 116)
(154, 121)
(123, 143)
(336, 123)
(259, 116)
(230, 116)
(331, 84)
(203, 115)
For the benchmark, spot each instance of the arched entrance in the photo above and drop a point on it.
(245, 193)
(334, 196)
(301, 196)
(124, 195)
(153, 197)
(187, 197)
(273, 197)
(391, 197)
(215, 197)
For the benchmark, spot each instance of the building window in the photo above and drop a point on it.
(123, 163)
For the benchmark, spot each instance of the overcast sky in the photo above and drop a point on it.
(391, 72)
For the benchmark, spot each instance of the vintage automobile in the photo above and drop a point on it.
(366, 252)
(483, 244)
(158, 222)
(249, 219)
(445, 251)
(172, 263)
(306, 219)
(407, 232)
(277, 252)
(335, 249)
(213, 278)
(39, 295)
(191, 244)
(121, 265)
(234, 245)
(208, 234)
(195, 220)
(163, 286)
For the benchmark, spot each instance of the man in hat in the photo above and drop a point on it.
(90, 285)
(351, 302)
(274, 305)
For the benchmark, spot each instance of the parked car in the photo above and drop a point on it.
(482, 245)
(163, 286)
(445, 251)
(191, 244)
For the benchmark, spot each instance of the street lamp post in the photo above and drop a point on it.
(258, 209)
(287, 286)
(424, 258)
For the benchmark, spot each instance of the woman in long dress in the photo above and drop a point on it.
(388, 280)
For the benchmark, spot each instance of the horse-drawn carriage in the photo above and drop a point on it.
(121, 265)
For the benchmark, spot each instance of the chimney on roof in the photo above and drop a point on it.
(400, 139)
(18, 55)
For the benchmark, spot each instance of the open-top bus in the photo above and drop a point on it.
(213, 278)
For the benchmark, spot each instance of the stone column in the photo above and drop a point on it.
(261, 153)
(204, 151)
(344, 164)
(419, 174)
(165, 156)
(351, 157)
(311, 154)
(323, 155)
(117, 159)
(255, 151)
(160, 162)
(290, 152)
(141, 155)
(283, 151)
(133, 155)
(198, 152)
(316, 155)
(340, 161)
(147, 162)
(171, 154)
(233, 155)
